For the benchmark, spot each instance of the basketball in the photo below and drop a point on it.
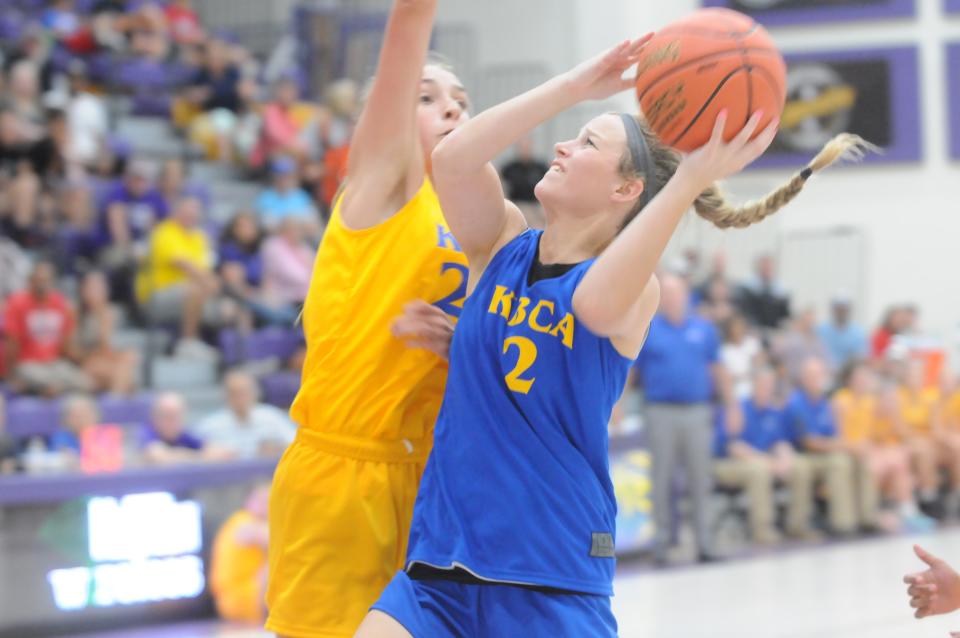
(711, 60)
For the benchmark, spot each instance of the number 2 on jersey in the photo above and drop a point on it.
(452, 304)
(528, 355)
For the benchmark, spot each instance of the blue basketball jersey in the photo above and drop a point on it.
(517, 488)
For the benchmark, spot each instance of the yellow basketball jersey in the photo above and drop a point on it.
(859, 416)
(952, 412)
(358, 379)
(916, 409)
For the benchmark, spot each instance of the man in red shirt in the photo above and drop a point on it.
(40, 338)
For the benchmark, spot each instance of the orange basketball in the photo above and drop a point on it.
(711, 60)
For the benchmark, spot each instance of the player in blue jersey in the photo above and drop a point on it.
(513, 526)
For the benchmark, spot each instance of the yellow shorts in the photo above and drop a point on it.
(340, 512)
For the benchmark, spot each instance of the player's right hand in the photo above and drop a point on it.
(424, 326)
(935, 591)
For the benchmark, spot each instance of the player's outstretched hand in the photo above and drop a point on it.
(718, 159)
(935, 591)
(424, 326)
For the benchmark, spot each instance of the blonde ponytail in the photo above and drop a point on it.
(712, 206)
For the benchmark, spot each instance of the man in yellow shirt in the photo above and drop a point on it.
(177, 280)
(238, 564)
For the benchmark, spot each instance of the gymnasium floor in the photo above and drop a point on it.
(848, 590)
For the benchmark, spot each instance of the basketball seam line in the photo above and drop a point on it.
(706, 104)
(701, 59)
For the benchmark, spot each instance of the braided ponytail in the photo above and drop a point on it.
(712, 206)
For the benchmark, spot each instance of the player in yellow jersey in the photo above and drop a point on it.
(343, 493)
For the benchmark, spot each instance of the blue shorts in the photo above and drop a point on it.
(443, 608)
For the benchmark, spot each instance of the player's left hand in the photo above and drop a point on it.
(423, 325)
(602, 76)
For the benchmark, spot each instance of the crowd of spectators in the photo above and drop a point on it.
(99, 242)
(826, 430)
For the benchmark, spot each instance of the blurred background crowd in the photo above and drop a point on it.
(163, 192)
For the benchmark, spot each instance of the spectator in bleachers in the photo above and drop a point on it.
(238, 564)
(215, 84)
(78, 235)
(762, 299)
(894, 323)
(284, 198)
(799, 343)
(61, 19)
(227, 135)
(79, 413)
(287, 266)
(740, 354)
(328, 139)
(246, 427)
(110, 369)
(23, 98)
(951, 406)
(716, 301)
(33, 48)
(921, 413)
(239, 138)
(59, 164)
(86, 116)
(166, 440)
(716, 271)
(14, 268)
(173, 185)
(183, 22)
(130, 209)
(132, 206)
(177, 282)
(812, 428)
(20, 157)
(284, 121)
(9, 454)
(883, 463)
(148, 35)
(110, 24)
(845, 340)
(759, 457)
(239, 259)
(84, 441)
(41, 338)
(680, 370)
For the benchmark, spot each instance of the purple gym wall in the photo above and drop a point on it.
(952, 6)
(953, 86)
(874, 93)
(806, 11)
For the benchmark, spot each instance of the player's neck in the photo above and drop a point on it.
(570, 240)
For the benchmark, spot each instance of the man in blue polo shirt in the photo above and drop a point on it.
(758, 456)
(679, 368)
(812, 428)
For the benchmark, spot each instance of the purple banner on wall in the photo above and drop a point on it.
(874, 93)
(779, 12)
(953, 86)
(952, 6)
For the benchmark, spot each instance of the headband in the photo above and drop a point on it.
(641, 157)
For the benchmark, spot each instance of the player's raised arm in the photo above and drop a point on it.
(386, 163)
